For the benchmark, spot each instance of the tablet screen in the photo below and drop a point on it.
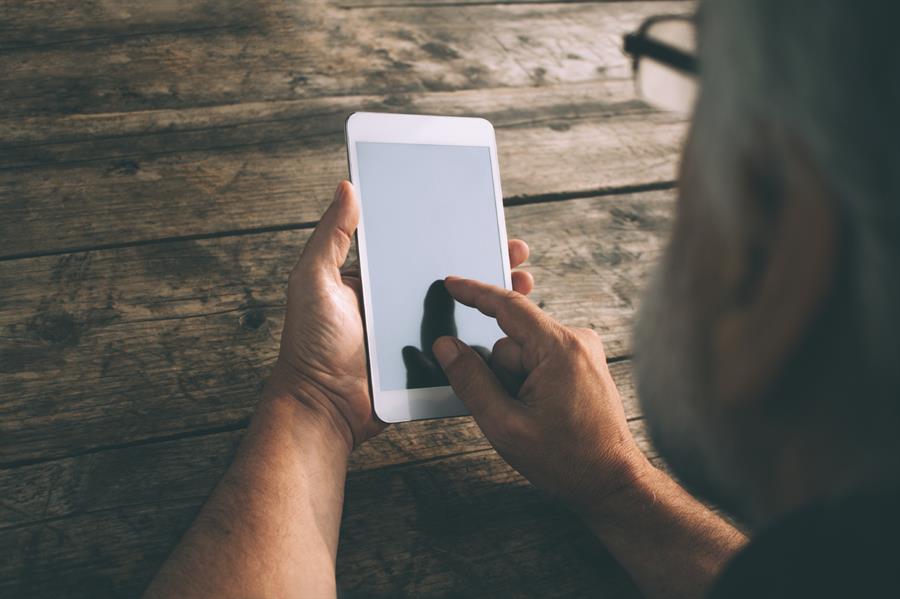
(429, 211)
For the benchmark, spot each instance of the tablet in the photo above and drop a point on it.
(429, 189)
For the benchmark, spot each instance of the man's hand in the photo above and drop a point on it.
(322, 361)
(546, 402)
(270, 529)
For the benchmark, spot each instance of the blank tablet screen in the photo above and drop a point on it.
(429, 211)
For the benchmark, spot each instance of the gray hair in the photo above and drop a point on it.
(829, 73)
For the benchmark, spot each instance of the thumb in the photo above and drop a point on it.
(476, 386)
(330, 242)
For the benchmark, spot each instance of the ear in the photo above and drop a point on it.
(788, 257)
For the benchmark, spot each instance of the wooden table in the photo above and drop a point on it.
(161, 166)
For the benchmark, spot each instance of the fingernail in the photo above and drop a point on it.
(445, 350)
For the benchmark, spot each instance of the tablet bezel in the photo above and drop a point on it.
(403, 405)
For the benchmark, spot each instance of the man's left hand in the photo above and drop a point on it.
(322, 361)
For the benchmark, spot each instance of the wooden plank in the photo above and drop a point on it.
(236, 168)
(48, 141)
(54, 22)
(108, 555)
(464, 525)
(276, 164)
(186, 469)
(105, 521)
(282, 51)
(117, 346)
(46, 22)
(369, 4)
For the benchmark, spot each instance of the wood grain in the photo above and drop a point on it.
(121, 178)
(108, 347)
(430, 509)
(55, 22)
(280, 50)
(161, 166)
(368, 4)
(77, 181)
(464, 526)
(25, 25)
(185, 469)
(240, 168)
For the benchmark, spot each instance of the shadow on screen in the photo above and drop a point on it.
(438, 319)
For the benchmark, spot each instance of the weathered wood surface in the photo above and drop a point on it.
(51, 22)
(281, 50)
(437, 483)
(162, 164)
(179, 469)
(115, 346)
(191, 171)
(684, 7)
(280, 167)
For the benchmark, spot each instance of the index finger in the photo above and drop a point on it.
(519, 318)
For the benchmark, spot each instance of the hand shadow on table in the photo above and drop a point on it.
(438, 319)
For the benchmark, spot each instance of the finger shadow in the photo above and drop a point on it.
(438, 320)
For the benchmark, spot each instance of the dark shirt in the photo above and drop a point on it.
(844, 548)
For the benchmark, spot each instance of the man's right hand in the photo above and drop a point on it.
(546, 402)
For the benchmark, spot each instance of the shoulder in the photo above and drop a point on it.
(846, 548)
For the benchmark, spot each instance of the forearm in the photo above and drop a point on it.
(670, 543)
(271, 526)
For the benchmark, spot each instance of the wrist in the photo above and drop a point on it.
(300, 406)
(616, 514)
(629, 484)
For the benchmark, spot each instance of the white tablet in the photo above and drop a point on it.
(429, 187)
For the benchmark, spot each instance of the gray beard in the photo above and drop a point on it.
(672, 359)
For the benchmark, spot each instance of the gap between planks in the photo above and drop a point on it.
(237, 26)
(202, 498)
(237, 426)
(633, 226)
(230, 28)
(519, 200)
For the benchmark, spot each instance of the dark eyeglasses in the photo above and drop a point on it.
(664, 60)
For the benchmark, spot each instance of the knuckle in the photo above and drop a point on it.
(586, 340)
(590, 333)
(503, 312)
(509, 298)
(595, 342)
(572, 339)
(343, 240)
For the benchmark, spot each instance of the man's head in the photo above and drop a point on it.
(768, 343)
